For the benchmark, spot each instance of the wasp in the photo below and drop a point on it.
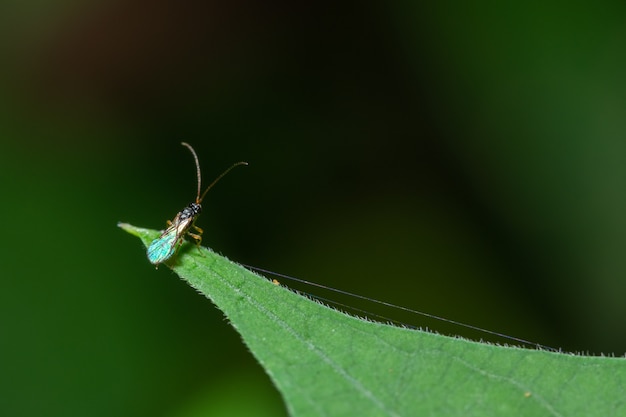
(166, 245)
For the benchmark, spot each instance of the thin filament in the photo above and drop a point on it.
(421, 313)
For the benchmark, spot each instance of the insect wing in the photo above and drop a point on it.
(163, 247)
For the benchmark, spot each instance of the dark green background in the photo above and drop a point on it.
(469, 160)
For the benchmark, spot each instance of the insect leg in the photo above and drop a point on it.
(197, 236)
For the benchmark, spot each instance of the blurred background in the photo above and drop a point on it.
(467, 160)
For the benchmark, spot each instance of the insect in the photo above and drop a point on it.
(163, 247)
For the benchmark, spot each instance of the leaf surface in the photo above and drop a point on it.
(327, 363)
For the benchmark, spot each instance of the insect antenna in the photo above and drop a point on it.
(219, 178)
(195, 157)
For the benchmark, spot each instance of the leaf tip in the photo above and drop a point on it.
(128, 228)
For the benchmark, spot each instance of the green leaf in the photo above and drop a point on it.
(326, 363)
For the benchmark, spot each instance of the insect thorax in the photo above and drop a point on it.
(191, 211)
